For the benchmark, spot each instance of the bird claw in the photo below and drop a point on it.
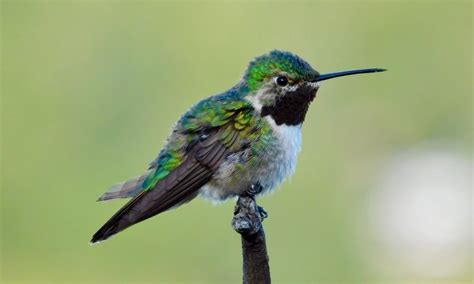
(263, 214)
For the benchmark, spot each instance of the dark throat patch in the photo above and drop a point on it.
(291, 108)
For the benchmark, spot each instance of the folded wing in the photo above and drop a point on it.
(179, 186)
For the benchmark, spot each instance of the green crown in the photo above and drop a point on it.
(274, 63)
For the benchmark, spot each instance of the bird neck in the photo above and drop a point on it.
(288, 109)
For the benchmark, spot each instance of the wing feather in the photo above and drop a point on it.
(178, 187)
(207, 134)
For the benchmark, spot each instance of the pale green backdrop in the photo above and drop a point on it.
(90, 90)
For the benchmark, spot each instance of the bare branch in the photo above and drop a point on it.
(247, 221)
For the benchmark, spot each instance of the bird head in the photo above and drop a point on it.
(281, 84)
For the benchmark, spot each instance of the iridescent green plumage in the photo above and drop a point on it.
(207, 134)
(250, 134)
(231, 107)
(221, 142)
(228, 110)
(277, 62)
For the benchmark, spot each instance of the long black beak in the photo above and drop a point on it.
(345, 73)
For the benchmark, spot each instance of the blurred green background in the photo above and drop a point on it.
(91, 89)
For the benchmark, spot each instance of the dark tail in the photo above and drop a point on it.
(139, 209)
(153, 202)
(179, 186)
(118, 222)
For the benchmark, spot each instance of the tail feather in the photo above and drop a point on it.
(128, 189)
(111, 227)
(180, 186)
(152, 202)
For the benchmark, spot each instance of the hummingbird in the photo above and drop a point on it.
(225, 144)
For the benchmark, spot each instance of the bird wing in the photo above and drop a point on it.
(208, 114)
(180, 171)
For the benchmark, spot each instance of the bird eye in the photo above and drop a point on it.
(282, 81)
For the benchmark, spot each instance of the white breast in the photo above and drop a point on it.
(290, 143)
(283, 154)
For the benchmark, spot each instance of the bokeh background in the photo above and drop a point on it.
(382, 192)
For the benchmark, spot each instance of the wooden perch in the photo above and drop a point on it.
(247, 221)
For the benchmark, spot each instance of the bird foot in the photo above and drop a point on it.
(248, 216)
(263, 214)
